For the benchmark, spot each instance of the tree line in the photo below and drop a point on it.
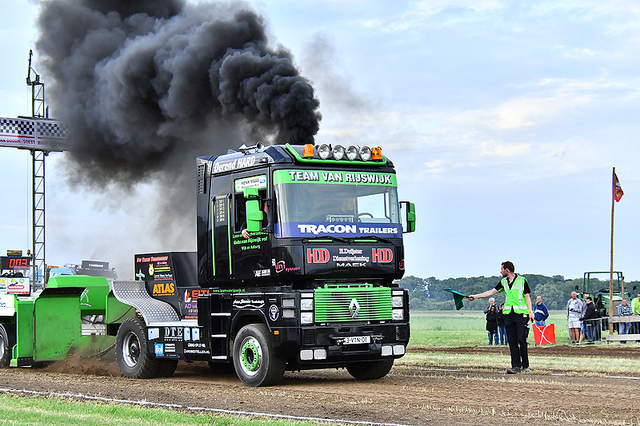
(429, 294)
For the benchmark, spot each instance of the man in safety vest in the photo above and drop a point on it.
(517, 314)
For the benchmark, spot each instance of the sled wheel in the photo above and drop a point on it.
(5, 348)
(254, 358)
(370, 370)
(133, 359)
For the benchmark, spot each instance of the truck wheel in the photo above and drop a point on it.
(254, 358)
(5, 348)
(133, 359)
(370, 370)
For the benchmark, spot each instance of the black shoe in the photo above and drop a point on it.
(514, 370)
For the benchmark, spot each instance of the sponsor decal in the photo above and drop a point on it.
(193, 295)
(281, 267)
(344, 230)
(153, 333)
(248, 303)
(251, 182)
(274, 313)
(238, 163)
(317, 255)
(381, 255)
(152, 259)
(195, 334)
(159, 348)
(196, 345)
(170, 347)
(339, 177)
(163, 289)
(196, 351)
(187, 334)
(173, 333)
(262, 273)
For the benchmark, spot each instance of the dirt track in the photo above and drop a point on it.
(410, 395)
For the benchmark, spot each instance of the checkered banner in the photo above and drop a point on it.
(33, 133)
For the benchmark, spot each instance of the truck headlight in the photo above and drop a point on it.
(397, 301)
(306, 318)
(397, 314)
(306, 304)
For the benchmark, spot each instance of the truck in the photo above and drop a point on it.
(298, 248)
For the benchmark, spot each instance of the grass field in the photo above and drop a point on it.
(428, 329)
(465, 328)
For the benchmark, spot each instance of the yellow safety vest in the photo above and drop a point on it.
(515, 296)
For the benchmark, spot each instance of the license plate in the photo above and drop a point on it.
(357, 340)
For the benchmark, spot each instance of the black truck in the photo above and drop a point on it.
(297, 252)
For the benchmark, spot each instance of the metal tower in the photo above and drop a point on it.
(38, 109)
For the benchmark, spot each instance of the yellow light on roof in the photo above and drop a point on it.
(308, 150)
(376, 153)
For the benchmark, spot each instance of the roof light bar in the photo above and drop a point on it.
(352, 153)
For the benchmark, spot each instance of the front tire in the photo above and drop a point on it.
(5, 348)
(370, 370)
(254, 358)
(134, 361)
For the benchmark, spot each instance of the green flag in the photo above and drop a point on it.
(457, 298)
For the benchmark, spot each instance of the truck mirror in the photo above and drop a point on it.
(409, 216)
(254, 214)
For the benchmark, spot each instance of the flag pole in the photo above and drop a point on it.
(613, 208)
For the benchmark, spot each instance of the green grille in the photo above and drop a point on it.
(333, 303)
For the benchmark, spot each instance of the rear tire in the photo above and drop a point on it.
(370, 370)
(5, 348)
(254, 358)
(134, 361)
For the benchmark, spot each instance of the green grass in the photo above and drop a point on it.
(20, 410)
(465, 328)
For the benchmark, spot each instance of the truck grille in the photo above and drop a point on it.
(352, 303)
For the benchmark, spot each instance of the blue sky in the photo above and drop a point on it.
(503, 118)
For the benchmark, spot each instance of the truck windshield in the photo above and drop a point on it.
(336, 203)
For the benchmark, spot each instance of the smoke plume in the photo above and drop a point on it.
(148, 83)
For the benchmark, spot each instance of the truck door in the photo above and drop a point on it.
(250, 251)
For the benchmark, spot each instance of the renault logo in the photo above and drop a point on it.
(354, 308)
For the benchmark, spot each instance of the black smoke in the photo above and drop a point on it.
(149, 84)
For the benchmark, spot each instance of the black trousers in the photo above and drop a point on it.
(517, 332)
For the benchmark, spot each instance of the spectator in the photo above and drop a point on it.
(584, 311)
(635, 307)
(587, 320)
(540, 313)
(574, 311)
(624, 310)
(492, 302)
(492, 325)
(502, 331)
